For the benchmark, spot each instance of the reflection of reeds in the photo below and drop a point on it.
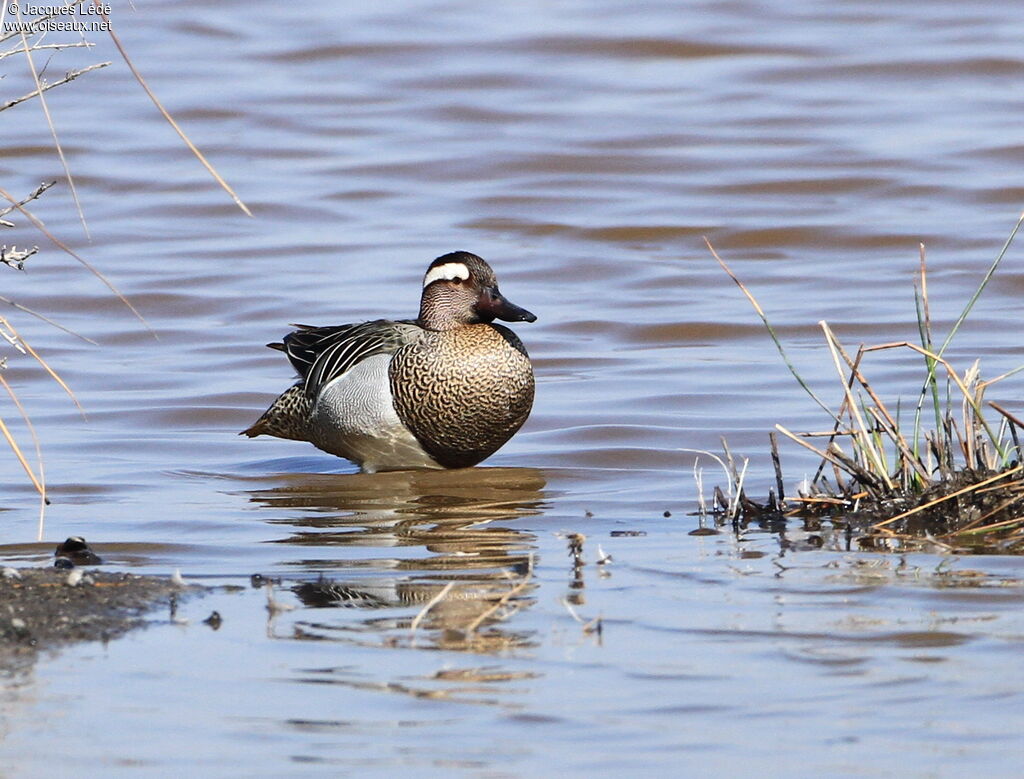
(958, 486)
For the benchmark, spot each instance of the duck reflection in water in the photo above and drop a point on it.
(459, 596)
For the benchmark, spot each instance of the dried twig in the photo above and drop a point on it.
(32, 196)
(45, 86)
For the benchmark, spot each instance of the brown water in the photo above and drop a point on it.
(584, 149)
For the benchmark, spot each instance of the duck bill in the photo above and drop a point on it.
(493, 305)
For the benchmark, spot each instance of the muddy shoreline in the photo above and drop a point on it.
(43, 609)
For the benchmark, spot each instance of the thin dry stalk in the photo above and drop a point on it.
(983, 385)
(835, 457)
(733, 475)
(987, 528)
(21, 457)
(885, 422)
(53, 374)
(43, 500)
(44, 318)
(738, 497)
(527, 578)
(49, 121)
(68, 250)
(163, 111)
(856, 373)
(967, 394)
(837, 423)
(440, 596)
(866, 445)
(1014, 419)
(698, 478)
(794, 437)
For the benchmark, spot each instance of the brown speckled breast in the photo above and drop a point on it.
(464, 392)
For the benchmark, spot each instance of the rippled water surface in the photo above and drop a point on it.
(585, 149)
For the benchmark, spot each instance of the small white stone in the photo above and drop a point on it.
(75, 577)
(10, 573)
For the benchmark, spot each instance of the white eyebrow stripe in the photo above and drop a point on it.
(447, 272)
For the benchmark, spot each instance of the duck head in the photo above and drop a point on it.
(459, 288)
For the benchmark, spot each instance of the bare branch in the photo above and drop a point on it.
(38, 191)
(70, 76)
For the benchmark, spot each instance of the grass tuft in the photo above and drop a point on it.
(893, 486)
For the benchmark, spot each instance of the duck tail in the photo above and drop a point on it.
(287, 417)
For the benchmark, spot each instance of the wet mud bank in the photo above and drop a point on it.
(47, 608)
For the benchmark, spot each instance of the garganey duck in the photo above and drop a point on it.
(445, 390)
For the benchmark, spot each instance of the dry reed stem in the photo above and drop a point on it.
(856, 373)
(69, 76)
(829, 501)
(44, 318)
(41, 361)
(527, 579)
(968, 395)
(836, 458)
(163, 111)
(867, 446)
(1014, 419)
(821, 453)
(440, 596)
(21, 458)
(67, 249)
(984, 385)
(901, 444)
(944, 498)
(988, 528)
(50, 124)
(737, 499)
(43, 500)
